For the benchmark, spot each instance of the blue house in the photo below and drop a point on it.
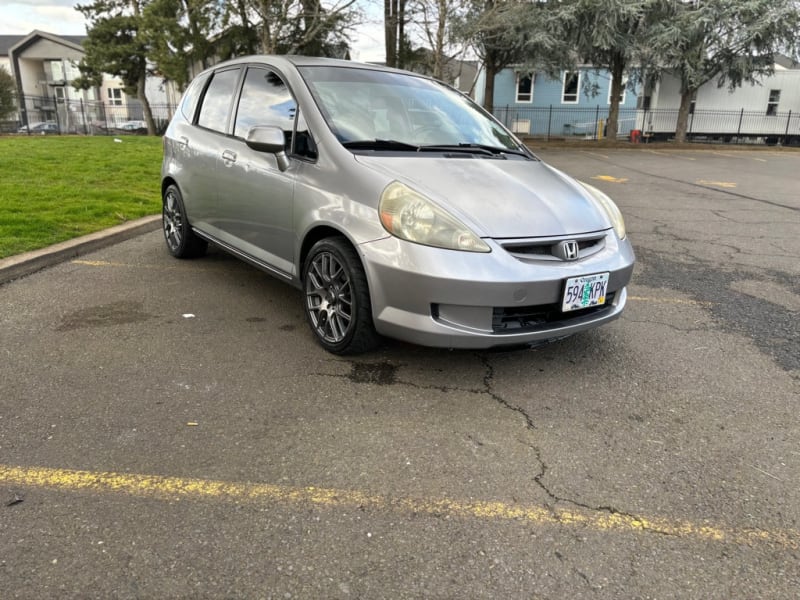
(575, 103)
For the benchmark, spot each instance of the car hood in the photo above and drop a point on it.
(498, 198)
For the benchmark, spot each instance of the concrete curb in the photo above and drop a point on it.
(20, 265)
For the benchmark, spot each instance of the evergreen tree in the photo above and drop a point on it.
(732, 41)
(178, 35)
(117, 44)
(608, 35)
(8, 92)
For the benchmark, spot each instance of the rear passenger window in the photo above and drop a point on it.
(191, 96)
(265, 100)
(217, 101)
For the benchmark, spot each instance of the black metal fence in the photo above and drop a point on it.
(730, 126)
(54, 115)
(38, 115)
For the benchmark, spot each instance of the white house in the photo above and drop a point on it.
(769, 109)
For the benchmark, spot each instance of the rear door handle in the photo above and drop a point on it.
(183, 141)
(229, 156)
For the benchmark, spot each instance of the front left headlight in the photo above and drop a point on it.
(409, 215)
(614, 214)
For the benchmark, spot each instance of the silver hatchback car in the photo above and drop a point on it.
(396, 204)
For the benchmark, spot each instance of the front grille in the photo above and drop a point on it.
(545, 249)
(521, 319)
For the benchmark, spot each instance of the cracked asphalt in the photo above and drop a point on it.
(169, 429)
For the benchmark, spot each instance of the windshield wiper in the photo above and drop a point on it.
(474, 148)
(465, 147)
(380, 145)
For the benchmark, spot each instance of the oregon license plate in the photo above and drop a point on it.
(585, 291)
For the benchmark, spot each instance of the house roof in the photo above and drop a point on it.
(7, 42)
(786, 62)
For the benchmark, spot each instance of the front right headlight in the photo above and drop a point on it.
(409, 215)
(614, 214)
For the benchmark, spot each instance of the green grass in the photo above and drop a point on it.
(55, 188)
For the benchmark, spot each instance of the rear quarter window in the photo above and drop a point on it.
(216, 106)
(191, 97)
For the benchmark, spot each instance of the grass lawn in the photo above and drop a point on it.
(53, 188)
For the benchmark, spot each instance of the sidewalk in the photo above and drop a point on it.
(21, 265)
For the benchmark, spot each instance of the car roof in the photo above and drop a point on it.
(304, 61)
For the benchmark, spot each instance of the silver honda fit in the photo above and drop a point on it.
(396, 204)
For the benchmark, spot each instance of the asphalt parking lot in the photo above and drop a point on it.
(169, 429)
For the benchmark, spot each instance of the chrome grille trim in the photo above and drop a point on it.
(544, 249)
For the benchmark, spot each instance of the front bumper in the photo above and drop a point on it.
(451, 299)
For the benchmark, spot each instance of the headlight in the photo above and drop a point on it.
(410, 216)
(614, 215)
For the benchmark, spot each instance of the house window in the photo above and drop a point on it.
(524, 88)
(772, 105)
(622, 93)
(571, 84)
(115, 96)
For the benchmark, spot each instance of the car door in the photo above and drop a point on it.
(255, 196)
(203, 150)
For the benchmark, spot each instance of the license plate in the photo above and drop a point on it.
(585, 291)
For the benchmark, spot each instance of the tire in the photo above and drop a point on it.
(181, 240)
(337, 303)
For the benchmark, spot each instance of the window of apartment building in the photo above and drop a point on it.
(115, 96)
(524, 87)
(569, 93)
(622, 93)
(774, 100)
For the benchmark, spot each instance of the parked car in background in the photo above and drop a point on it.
(132, 127)
(396, 204)
(44, 127)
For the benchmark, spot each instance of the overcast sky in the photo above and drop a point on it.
(60, 17)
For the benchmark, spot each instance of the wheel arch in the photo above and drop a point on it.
(166, 182)
(317, 233)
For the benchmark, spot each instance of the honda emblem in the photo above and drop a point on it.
(567, 250)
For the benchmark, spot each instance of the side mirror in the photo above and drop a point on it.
(269, 139)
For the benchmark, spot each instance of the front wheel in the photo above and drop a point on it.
(181, 240)
(337, 303)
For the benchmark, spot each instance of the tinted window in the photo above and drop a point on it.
(265, 100)
(191, 96)
(217, 101)
(303, 140)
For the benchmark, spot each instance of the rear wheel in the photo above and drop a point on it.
(181, 240)
(337, 303)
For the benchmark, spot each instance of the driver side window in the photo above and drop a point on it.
(265, 100)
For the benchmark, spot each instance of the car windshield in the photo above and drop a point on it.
(401, 112)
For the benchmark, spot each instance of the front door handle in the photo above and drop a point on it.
(229, 156)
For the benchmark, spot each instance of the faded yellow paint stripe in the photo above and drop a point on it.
(610, 178)
(97, 263)
(722, 184)
(173, 488)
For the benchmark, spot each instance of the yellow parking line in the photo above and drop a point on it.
(722, 184)
(670, 301)
(172, 488)
(98, 263)
(610, 178)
